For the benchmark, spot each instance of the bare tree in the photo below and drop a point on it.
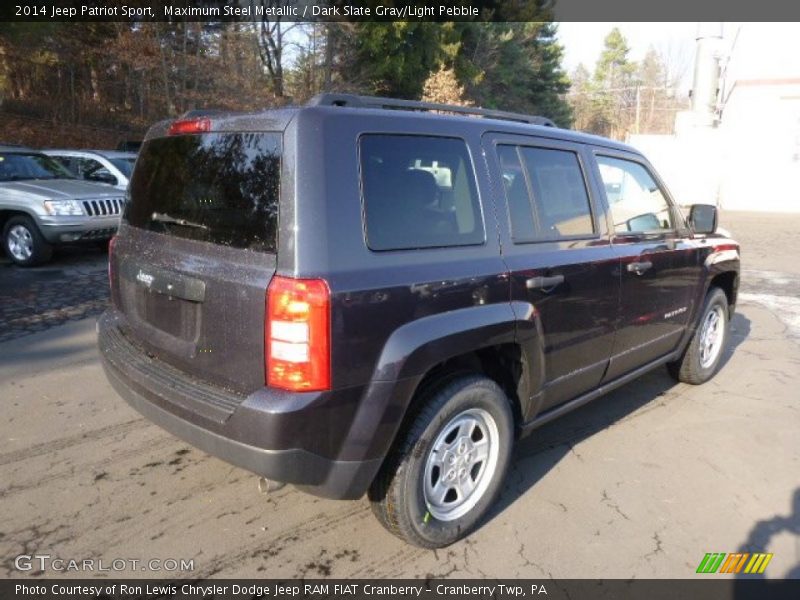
(675, 56)
(273, 41)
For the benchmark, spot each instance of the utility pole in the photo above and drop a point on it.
(638, 106)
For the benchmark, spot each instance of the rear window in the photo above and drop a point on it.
(221, 188)
(419, 192)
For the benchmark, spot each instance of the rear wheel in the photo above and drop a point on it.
(23, 242)
(448, 465)
(703, 355)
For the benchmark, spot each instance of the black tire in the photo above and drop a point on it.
(40, 249)
(691, 368)
(398, 496)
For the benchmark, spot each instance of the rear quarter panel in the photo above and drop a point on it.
(376, 294)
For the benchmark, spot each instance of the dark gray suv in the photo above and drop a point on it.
(365, 295)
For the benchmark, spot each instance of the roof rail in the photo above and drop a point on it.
(354, 101)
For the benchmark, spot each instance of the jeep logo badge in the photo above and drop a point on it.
(145, 278)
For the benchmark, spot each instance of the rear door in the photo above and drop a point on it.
(553, 236)
(659, 269)
(196, 253)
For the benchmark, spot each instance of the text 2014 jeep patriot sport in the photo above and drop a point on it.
(364, 295)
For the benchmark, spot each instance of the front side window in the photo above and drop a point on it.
(637, 203)
(66, 162)
(546, 193)
(419, 192)
(125, 165)
(89, 166)
(93, 170)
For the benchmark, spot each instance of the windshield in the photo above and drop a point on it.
(125, 165)
(19, 166)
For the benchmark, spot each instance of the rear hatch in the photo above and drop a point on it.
(196, 253)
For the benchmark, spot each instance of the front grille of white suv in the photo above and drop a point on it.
(103, 207)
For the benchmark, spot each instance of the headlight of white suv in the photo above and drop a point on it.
(63, 208)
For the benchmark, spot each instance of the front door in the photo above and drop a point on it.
(563, 270)
(659, 269)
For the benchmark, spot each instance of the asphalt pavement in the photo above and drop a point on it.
(641, 483)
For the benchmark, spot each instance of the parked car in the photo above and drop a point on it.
(42, 204)
(99, 166)
(363, 295)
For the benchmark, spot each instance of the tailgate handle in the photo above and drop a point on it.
(544, 282)
(166, 282)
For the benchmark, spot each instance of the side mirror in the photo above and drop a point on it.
(703, 218)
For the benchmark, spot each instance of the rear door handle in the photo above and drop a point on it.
(639, 267)
(535, 283)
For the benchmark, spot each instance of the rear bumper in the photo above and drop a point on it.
(323, 443)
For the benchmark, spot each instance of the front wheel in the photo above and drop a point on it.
(703, 355)
(448, 465)
(23, 242)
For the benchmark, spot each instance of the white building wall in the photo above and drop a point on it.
(751, 160)
(688, 163)
(760, 142)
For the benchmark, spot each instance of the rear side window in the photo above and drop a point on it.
(546, 193)
(419, 192)
(218, 188)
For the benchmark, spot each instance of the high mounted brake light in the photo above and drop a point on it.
(188, 126)
(297, 334)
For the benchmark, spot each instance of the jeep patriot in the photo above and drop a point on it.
(370, 296)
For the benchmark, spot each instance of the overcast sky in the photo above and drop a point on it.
(760, 50)
(583, 42)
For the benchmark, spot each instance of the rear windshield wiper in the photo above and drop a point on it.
(165, 218)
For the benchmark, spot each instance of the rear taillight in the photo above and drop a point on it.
(187, 126)
(297, 334)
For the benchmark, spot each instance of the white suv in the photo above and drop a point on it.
(43, 205)
(99, 166)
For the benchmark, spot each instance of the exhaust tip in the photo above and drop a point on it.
(265, 486)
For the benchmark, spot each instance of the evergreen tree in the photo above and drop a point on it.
(614, 69)
(514, 66)
(394, 59)
(614, 81)
(510, 66)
